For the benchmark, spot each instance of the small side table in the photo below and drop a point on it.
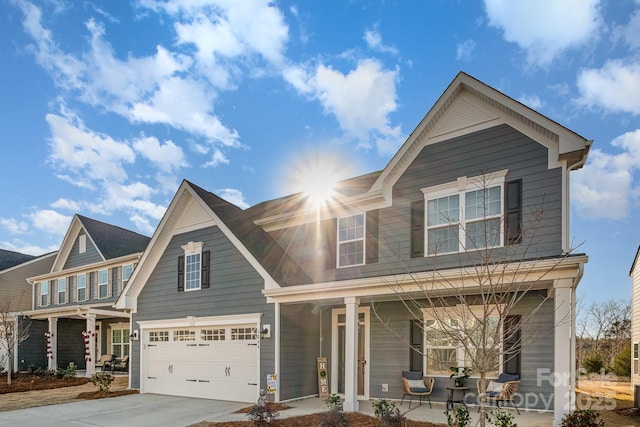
(452, 392)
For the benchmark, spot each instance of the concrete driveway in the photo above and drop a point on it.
(133, 410)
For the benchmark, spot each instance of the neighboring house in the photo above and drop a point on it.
(73, 300)
(223, 297)
(634, 272)
(15, 292)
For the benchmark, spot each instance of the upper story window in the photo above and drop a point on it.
(467, 214)
(127, 271)
(103, 283)
(44, 293)
(193, 267)
(81, 288)
(351, 231)
(62, 291)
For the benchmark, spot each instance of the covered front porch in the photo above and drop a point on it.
(79, 335)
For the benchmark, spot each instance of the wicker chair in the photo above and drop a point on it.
(503, 389)
(414, 384)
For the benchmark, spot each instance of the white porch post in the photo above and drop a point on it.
(91, 328)
(351, 355)
(53, 328)
(563, 380)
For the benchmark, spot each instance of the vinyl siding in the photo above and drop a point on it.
(483, 152)
(14, 286)
(635, 318)
(235, 289)
(33, 351)
(77, 259)
(71, 343)
(300, 346)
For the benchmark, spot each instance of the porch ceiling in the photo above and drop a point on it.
(76, 312)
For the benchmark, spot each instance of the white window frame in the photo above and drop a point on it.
(192, 249)
(460, 188)
(62, 294)
(126, 279)
(346, 241)
(125, 338)
(102, 285)
(44, 293)
(458, 313)
(78, 288)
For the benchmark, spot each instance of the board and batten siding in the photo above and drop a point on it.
(300, 347)
(235, 288)
(390, 353)
(483, 152)
(77, 259)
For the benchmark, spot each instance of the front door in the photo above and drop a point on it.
(338, 351)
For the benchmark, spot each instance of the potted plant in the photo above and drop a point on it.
(459, 374)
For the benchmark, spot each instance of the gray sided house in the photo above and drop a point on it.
(224, 297)
(71, 305)
(15, 295)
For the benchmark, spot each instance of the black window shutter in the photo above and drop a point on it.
(415, 351)
(330, 235)
(181, 273)
(511, 346)
(417, 229)
(204, 272)
(513, 212)
(371, 237)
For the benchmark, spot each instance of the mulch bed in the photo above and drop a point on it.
(91, 395)
(30, 382)
(354, 419)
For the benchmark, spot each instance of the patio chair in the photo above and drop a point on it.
(122, 364)
(503, 389)
(415, 384)
(105, 361)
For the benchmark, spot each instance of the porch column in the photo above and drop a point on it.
(562, 379)
(351, 355)
(91, 328)
(53, 328)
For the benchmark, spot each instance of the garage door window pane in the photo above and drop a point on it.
(244, 333)
(159, 336)
(212, 335)
(184, 335)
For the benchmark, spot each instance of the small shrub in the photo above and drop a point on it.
(501, 418)
(263, 414)
(334, 418)
(593, 363)
(66, 373)
(387, 413)
(34, 369)
(458, 416)
(583, 418)
(334, 401)
(102, 380)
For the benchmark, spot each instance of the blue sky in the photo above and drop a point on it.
(107, 106)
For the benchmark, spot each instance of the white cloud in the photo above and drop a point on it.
(615, 87)
(464, 51)
(629, 33)
(374, 42)
(167, 157)
(218, 158)
(66, 204)
(361, 100)
(233, 196)
(50, 221)
(14, 226)
(531, 101)
(546, 28)
(143, 224)
(87, 154)
(605, 187)
(28, 248)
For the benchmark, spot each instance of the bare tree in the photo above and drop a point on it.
(469, 303)
(13, 331)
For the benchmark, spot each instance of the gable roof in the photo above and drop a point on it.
(9, 259)
(257, 246)
(111, 241)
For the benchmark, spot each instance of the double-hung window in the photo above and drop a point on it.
(454, 336)
(103, 283)
(351, 246)
(127, 270)
(465, 215)
(81, 287)
(44, 293)
(62, 291)
(193, 267)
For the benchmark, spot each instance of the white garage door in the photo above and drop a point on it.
(218, 362)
